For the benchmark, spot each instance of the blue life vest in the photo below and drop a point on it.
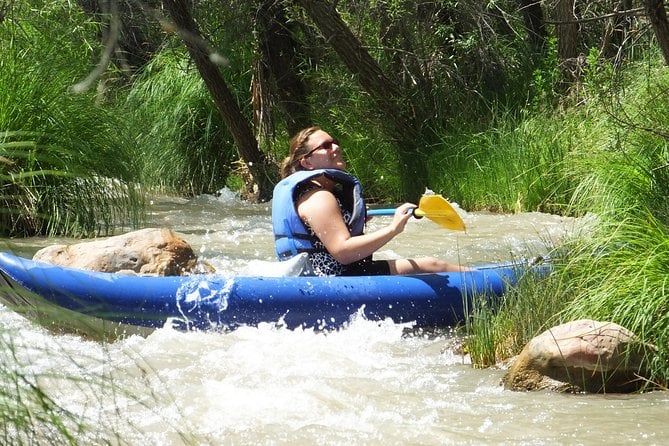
(290, 234)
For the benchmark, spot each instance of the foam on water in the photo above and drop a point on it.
(369, 383)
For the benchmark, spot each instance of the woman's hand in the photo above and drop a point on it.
(402, 215)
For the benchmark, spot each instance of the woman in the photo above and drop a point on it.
(319, 209)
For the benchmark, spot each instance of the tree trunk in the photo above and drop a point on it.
(280, 54)
(567, 32)
(384, 92)
(264, 173)
(401, 126)
(658, 18)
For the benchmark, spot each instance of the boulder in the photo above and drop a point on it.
(149, 251)
(580, 356)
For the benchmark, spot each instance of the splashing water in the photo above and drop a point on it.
(369, 383)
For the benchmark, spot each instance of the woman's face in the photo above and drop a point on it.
(324, 153)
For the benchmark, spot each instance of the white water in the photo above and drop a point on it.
(367, 384)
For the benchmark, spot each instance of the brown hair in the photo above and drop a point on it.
(298, 148)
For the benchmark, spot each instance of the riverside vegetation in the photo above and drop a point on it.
(81, 163)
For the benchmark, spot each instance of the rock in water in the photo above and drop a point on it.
(147, 251)
(582, 355)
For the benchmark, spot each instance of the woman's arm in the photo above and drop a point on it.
(320, 210)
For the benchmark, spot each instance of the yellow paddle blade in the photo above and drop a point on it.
(440, 211)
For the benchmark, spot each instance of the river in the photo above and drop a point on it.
(369, 383)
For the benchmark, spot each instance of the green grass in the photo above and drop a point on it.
(617, 269)
(73, 397)
(497, 332)
(517, 163)
(183, 147)
(65, 161)
(619, 273)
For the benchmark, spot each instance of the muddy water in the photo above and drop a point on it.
(366, 384)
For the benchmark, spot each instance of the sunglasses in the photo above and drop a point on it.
(327, 145)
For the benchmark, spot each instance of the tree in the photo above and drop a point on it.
(280, 55)
(658, 18)
(137, 36)
(396, 109)
(264, 173)
(567, 32)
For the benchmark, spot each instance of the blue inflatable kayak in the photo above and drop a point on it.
(220, 302)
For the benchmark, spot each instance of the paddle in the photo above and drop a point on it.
(434, 207)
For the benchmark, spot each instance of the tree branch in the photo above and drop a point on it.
(635, 11)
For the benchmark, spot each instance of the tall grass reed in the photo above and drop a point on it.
(617, 269)
(182, 144)
(65, 162)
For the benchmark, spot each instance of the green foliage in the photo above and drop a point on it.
(182, 145)
(620, 272)
(345, 114)
(446, 53)
(545, 78)
(33, 416)
(39, 372)
(616, 269)
(514, 165)
(598, 74)
(65, 168)
(375, 166)
(497, 333)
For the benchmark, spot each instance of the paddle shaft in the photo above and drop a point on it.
(415, 211)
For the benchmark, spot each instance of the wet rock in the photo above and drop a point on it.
(580, 356)
(147, 251)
